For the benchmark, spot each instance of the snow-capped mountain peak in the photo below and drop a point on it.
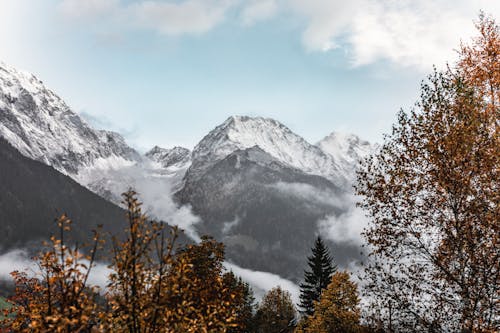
(177, 156)
(344, 146)
(43, 127)
(274, 138)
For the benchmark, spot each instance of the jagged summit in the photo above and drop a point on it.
(242, 132)
(38, 123)
(346, 146)
(178, 156)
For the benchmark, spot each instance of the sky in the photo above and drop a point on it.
(166, 72)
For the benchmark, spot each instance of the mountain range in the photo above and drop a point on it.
(250, 182)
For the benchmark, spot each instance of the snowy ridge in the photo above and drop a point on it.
(43, 127)
(274, 138)
(178, 156)
(348, 147)
(348, 150)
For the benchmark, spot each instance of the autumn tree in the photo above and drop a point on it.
(432, 193)
(139, 265)
(157, 288)
(317, 278)
(275, 313)
(199, 295)
(58, 298)
(337, 311)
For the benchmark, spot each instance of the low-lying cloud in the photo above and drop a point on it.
(154, 185)
(308, 192)
(19, 260)
(347, 227)
(262, 282)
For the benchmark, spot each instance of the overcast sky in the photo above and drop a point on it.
(166, 72)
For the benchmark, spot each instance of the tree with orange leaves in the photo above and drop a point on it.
(58, 298)
(276, 313)
(433, 196)
(156, 289)
(337, 310)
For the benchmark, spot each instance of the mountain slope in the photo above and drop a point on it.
(241, 132)
(177, 157)
(32, 195)
(41, 126)
(265, 211)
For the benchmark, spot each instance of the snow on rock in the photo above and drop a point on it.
(43, 127)
(177, 156)
(347, 150)
(274, 138)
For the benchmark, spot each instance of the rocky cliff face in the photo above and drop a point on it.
(43, 127)
(174, 157)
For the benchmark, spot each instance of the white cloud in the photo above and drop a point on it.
(257, 10)
(154, 185)
(404, 32)
(19, 260)
(345, 228)
(262, 282)
(309, 193)
(165, 17)
(15, 260)
(88, 8)
(170, 18)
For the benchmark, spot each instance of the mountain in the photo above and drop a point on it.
(241, 132)
(262, 190)
(33, 194)
(42, 127)
(178, 156)
(251, 182)
(347, 150)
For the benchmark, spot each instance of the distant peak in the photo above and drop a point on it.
(344, 137)
(168, 157)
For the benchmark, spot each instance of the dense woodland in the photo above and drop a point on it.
(432, 195)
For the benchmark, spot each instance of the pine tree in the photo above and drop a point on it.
(317, 278)
(337, 310)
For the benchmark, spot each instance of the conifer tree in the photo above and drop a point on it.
(337, 311)
(317, 278)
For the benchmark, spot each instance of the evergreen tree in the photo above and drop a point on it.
(337, 310)
(317, 278)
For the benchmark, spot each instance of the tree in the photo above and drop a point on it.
(317, 277)
(337, 311)
(433, 196)
(58, 298)
(275, 312)
(156, 289)
(244, 303)
(200, 296)
(140, 264)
